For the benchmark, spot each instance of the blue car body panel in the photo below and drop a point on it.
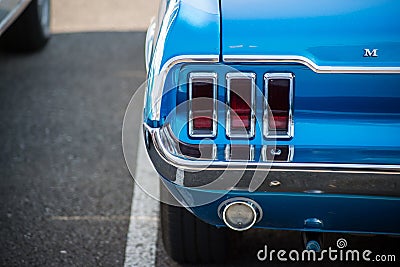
(341, 115)
(185, 23)
(330, 33)
(337, 117)
(290, 211)
(190, 22)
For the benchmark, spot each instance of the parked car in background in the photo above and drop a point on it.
(24, 24)
(273, 114)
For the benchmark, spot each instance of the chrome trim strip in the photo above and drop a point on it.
(149, 43)
(197, 165)
(156, 76)
(307, 62)
(227, 152)
(157, 87)
(205, 75)
(240, 75)
(291, 153)
(251, 152)
(214, 152)
(13, 15)
(173, 145)
(276, 134)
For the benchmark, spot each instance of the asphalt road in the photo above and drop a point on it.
(65, 191)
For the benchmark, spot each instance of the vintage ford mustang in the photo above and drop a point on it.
(273, 114)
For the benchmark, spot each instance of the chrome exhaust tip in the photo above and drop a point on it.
(240, 214)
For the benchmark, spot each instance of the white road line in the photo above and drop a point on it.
(90, 218)
(142, 234)
(102, 218)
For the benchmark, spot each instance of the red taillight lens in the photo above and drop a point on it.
(202, 97)
(202, 123)
(279, 98)
(278, 122)
(240, 94)
(202, 104)
(240, 103)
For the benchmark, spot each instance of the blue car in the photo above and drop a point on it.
(273, 114)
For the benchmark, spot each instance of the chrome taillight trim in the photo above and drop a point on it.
(149, 43)
(290, 131)
(227, 153)
(240, 75)
(203, 75)
(264, 156)
(172, 145)
(214, 152)
(158, 74)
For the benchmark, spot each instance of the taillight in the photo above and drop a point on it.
(202, 104)
(240, 117)
(239, 152)
(278, 123)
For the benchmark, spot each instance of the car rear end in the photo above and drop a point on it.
(294, 124)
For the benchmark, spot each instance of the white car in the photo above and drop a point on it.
(24, 24)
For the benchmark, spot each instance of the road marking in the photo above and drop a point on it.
(103, 218)
(142, 234)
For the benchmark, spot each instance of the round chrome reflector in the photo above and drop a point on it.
(239, 215)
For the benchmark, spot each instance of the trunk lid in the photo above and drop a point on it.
(329, 33)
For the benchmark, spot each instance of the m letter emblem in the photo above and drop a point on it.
(369, 53)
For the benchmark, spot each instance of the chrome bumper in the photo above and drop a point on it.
(355, 179)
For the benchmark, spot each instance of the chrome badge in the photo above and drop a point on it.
(369, 53)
